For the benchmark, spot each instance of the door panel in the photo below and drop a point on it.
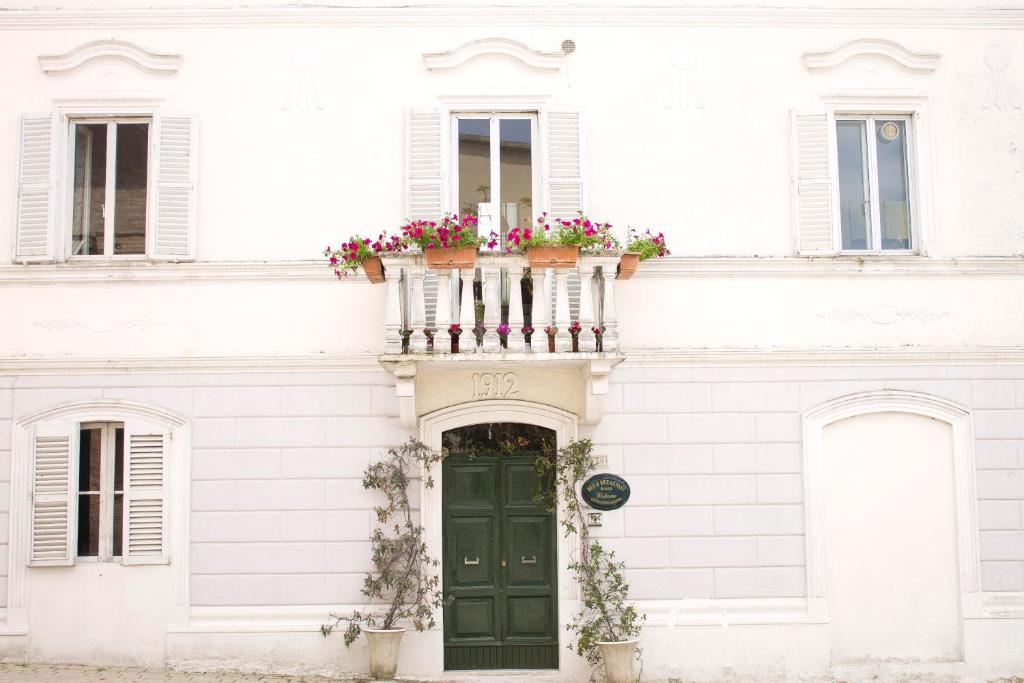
(499, 565)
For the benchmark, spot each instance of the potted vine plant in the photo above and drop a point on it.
(606, 628)
(403, 582)
(503, 330)
(640, 247)
(556, 242)
(454, 331)
(449, 243)
(363, 252)
(551, 331)
(574, 331)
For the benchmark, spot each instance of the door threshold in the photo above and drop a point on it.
(501, 672)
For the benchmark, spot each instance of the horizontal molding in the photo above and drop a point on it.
(649, 357)
(394, 13)
(135, 272)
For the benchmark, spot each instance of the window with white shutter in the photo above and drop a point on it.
(812, 179)
(174, 234)
(564, 168)
(145, 493)
(34, 241)
(54, 446)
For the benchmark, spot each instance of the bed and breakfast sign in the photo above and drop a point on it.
(605, 492)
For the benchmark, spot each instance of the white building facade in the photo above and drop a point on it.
(817, 399)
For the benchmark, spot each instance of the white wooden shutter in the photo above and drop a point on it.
(812, 179)
(53, 493)
(174, 215)
(34, 239)
(145, 494)
(425, 177)
(564, 171)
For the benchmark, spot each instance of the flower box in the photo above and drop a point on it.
(627, 265)
(373, 269)
(553, 256)
(451, 257)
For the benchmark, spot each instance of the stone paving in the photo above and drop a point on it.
(45, 673)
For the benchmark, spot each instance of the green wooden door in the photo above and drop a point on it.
(499, 566)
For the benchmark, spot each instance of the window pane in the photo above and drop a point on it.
(130, 188)
(516, 173)
(474, 164)
(118, 523)
(119, 459)
(853, 206)
(894, 200)
(90, 443)
(88, 524)
(90, 186)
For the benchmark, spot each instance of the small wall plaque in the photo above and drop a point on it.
(605, 492)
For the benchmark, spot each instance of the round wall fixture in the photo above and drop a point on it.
(568, 47)
(890, 131)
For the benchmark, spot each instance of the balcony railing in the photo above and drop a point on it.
(422, 303)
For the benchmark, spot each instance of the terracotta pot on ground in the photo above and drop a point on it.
(551, 343)
(553, 256)
(383, 646)
(451, 257)
(618, 660)
(455, 343)
(575, 343)
(627, 265)
(374, 269)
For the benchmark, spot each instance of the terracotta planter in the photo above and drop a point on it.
(553, 256)
(618, 660)
(575, 343)
(455, 342)
(373, 269)
(383, 646)
(551, 343)
(452, 257)
(627, 265)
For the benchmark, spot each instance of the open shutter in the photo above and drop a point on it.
(174, 215)
(564, 171)
(145, 493)
(34, 240)
(812, 179)
(425, 179)
(53, 493)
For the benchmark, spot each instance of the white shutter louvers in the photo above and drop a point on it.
(34, 238)
(564, 179)
(813, 181)
(145, 490)
(52, 495)
(175, 189)
(425, 178)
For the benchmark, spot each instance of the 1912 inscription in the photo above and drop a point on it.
(495, 384)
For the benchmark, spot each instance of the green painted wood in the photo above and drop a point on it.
(499, 565)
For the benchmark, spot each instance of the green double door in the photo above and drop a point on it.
(500, 567)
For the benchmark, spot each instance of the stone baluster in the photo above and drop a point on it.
(443, 312)
(609, 319)
(516, 340)
(563, 340)
(587, 318)
(418, 318)
(393, 306)
(467, 314)
(541, 310)
(490, 270)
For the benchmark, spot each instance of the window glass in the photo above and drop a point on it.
(474, 164)
(90, 470)
(90, 186)
(130, 186)
(854, 209)
(516, 173)
(118, 491)
(894, 203)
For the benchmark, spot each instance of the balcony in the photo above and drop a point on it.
(422, 302)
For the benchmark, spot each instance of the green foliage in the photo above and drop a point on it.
(647, 244)
(604, 614)
(403, 580)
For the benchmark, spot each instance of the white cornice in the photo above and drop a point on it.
(533, 59)
(649, 357)
(873, 47)
(394, 14)
(111, 49)
(108, 273)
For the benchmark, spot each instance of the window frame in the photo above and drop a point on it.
(110, 188)
(536, 160)
(108, 459)
(871, 161)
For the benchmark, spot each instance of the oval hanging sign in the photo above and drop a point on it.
(605, 492)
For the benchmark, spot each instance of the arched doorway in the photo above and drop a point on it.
(499, 550)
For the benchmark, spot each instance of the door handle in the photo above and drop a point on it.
(526, 560)
(469, 562)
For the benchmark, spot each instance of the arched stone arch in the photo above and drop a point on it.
(106, 410)
(889, 401)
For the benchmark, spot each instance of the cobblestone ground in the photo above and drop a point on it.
(43, 673)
